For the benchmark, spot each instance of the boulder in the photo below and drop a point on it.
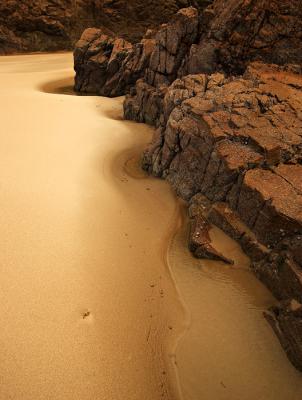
(200, 241)
(107, 65)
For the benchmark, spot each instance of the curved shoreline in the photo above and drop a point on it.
(228, 350)
(92, 300)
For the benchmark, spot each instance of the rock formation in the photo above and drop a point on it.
(107, 65)
(224, 93)
(110, 66)
(238, 141)
(235, 32)
(48, 25)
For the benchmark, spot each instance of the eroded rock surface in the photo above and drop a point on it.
(110, 66)
(228, 130)
(236, 32)
(200, 242)
(107, 65)
(238, 141)
(48, 25)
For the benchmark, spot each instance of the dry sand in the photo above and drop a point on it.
(88, 308)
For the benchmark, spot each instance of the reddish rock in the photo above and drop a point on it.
(286, 320)
(200, 241)
(236, 32)
(237, 141)
(228, 130)
(107, 65)
(110, 66)
(173, 41)
(49, 25)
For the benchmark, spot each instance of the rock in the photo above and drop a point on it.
(223, 91)
(173, 41)
(281, 274)
(286, 320)
(230, 35)
(234, 33)
(110, 66)
(263, 203)
(49, 25)
(228, 127)
(98, 59)
(226, 38)
(107, 65)
(237, 142)
(200, 241)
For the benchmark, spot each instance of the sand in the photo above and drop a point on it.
(88, 308)
(228, 350)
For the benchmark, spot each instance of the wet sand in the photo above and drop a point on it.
(88, 308)
(228, 350)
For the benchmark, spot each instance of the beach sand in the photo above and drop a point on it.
(88, 308)
(228, 350)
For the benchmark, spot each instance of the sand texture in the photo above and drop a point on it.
(228, 351)
(88, 308)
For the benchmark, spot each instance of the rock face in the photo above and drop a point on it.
(48, 25)
(110, 66)
(235, 32)
(107, 65)
(224, 93)
(238, 141)
(225, 37)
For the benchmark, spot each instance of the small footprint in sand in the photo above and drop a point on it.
(86, 314)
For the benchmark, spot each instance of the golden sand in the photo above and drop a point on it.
(228, 350)
(87, 303)
(88, 307)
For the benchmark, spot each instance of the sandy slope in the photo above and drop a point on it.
(88, 309)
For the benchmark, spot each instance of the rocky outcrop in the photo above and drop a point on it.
(237, 141)
(107, 65)
(235, 32)
(286, 322)
(110, 66)
(226, 37)
(48, 25)
(228, 130)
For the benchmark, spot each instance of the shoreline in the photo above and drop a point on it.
(228, 349)
(92, 300)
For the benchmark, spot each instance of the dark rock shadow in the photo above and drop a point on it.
(62, 86)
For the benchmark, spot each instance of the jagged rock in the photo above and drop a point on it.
(236, 32)
(98, 57)
(107, 65)
(110, 66)
(286, 320)
(49, 25)
(234, 140)
(263, 203)
(200, 241)
(227, 127)
(173, 41)
(226, 38)
(237, 141)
